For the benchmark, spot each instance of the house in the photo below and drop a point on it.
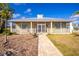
(76, 27)
(42, 24)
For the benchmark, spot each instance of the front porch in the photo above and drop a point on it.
(42, 27)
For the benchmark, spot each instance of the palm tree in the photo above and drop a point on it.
(76, 13)
(5, 14)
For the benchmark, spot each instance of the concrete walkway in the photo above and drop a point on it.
(46, 47)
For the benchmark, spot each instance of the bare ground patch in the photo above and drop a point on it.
(24, 45)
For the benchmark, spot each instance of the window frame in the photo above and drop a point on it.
(24, 26)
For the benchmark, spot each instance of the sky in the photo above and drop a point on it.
(53, 10)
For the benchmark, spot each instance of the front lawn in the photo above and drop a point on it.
(67, 44)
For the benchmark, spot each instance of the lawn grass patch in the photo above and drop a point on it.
(67, 44)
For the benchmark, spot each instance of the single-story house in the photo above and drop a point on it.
(42, 24)
(76, 27)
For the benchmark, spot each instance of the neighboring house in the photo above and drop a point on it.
(76, 27)
(42, 25)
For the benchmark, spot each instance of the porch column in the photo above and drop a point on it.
(11, 26)
(31, 27)
(51, 27)
(61, 27)
(45, 27)
(71, 27)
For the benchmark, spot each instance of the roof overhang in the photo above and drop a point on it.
(39, 20)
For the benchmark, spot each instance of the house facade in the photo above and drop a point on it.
(41, 24)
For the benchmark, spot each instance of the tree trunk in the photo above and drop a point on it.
(5, 31)
(5, 41)
(2, 26)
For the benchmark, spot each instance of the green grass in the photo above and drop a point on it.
(67, 44)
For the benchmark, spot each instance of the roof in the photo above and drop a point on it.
(40, 20)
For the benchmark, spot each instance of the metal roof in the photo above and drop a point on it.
(40, 20)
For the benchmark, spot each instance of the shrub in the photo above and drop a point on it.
(76, 28)
(7, 31)
(75, 33)
(35, 35)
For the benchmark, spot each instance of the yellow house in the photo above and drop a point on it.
(42, 24)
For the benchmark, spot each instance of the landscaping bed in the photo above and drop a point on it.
(20, 45)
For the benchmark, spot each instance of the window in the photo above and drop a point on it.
(14, 25)
(56, 25)
(24, 25)
(65, 25)
(48, 25)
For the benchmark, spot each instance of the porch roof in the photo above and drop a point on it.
(40, 20)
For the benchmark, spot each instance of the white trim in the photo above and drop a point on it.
(51, 27)
(71, 27)
(11, 29)
(61, 26)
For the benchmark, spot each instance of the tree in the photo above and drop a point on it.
(5, 14)
(1, 22)
(76, 14)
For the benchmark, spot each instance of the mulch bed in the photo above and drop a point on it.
(20, 45)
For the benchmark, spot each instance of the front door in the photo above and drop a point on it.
(41, 28)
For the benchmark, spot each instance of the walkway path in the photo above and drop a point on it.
(46, 48)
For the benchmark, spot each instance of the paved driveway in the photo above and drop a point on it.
(46, 48)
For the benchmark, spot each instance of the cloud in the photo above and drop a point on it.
(28, 10)
(16, 15)
(76, 22)
(23, 17)
(74, 16)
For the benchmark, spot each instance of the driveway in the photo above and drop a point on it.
(46, 47)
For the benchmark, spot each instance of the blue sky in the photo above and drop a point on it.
(59, 10)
